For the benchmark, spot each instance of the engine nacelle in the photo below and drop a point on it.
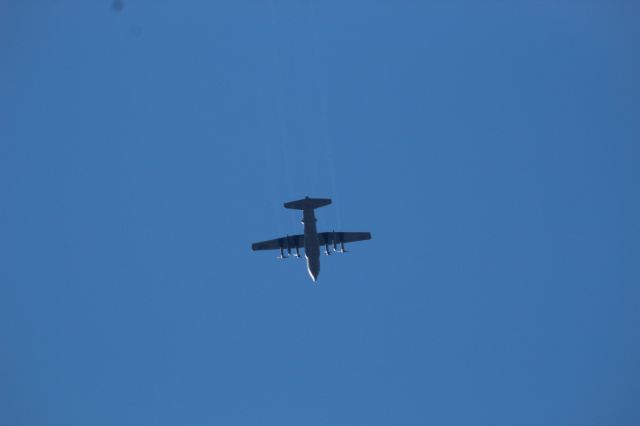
(282, 256)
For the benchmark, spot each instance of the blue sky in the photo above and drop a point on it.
(491, 148)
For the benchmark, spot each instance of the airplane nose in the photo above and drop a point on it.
(314, 275)
(313, 267)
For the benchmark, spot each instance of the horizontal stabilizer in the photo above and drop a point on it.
(307, 203)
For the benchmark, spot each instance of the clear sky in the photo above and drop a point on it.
(492, 149)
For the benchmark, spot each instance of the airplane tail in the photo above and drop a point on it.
(307, 203)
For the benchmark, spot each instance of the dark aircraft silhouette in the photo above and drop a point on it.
(311, 240)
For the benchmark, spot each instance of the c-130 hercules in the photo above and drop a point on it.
(311, 240)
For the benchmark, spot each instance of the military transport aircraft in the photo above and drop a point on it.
(311, 240)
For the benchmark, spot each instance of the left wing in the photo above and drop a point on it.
(288, 242)
(342, 237)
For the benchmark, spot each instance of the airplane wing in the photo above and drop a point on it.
(342, 237)
(290, 241)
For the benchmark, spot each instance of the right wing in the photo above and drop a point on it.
(342, 237)
(290, 241)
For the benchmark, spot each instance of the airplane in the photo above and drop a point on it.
(311, 240)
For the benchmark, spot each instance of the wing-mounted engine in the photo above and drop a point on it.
(284, 243)
(289, 242)
(338, 239)
(297, 253)
(282, 255)
(326, 249)
(334, 238)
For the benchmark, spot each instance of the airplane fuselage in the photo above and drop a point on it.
(311, 243)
